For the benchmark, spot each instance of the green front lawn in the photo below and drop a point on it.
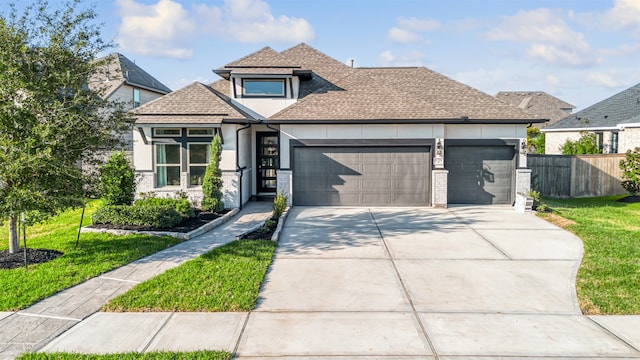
(194, 355)
(96, 254)
(227, 278)
(609, 277)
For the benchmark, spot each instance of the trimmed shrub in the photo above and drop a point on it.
(279, 205)
(212, 181)
(117, 180)
(182, 206)
(153, 216)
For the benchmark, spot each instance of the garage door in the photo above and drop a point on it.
(480, 174)
(380, 176)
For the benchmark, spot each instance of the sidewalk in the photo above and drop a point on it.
(32, 328)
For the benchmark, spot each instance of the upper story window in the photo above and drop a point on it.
(136, 97)
(263, 87)
(167, 132)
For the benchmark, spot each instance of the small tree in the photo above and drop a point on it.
(212, 181)
(117, 180)
(587, 144)
(630, 167)
(536, 139)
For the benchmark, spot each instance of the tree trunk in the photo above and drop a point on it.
(14, 240)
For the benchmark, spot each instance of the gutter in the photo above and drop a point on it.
(462, 120)
(601, 128)
(628, 125)
(238, 168)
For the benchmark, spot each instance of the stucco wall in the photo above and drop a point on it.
(124, 94)
(628, 139)
(554, 141)
(266, 106)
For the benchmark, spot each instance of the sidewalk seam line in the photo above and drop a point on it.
(612, 334)
(244, 327)
(119, 280)
(146, 346)
(404, 289)
(482, 236)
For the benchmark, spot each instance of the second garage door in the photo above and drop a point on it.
(361, 176)
(480, 174)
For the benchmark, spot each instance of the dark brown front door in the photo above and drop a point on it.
(268, 161)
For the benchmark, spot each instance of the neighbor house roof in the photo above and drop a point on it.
(194, 104)
(610, 113)
(538, 103)
(119, 70)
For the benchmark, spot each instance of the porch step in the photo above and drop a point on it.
(267, 198)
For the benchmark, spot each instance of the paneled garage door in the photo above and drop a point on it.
(378, 176)
(480, 174)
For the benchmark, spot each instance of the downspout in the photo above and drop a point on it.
(238, 168)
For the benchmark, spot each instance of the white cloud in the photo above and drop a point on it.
(610, 79)
(403, 36)
(161, 29)
(548, 37)
(166, 27)
(408, 30)
(410, 58)
(625, 15)
(553, 80)
(252, 21)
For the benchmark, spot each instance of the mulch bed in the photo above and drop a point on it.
(201, 218)
(630, 199)
(34, 256)
(263, 233)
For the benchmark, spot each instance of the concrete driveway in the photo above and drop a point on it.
(457, 283)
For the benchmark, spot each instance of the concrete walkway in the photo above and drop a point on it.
(460, 283)
(32, 328)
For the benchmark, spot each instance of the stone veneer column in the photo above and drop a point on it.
(230, 189)
(523, 181)
(284, 179)
(439, 188)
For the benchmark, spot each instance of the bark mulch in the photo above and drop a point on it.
(34, 256)
(263, 233)
(201, 218)
(630, 199)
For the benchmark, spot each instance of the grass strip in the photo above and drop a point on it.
(164, 355)
(96, 254)
(609, 275)
(227, 278)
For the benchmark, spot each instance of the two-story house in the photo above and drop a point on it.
(324, 133)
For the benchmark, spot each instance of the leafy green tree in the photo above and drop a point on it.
(630, 167)
(536, 139)
(587, 144)
(50, 119)
(117, 180)
(212, 181)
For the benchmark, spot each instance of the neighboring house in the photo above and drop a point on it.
(615, 120)
(538, 103)
(323, 133)
(123, 81)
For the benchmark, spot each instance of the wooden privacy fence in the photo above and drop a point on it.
(576, 175)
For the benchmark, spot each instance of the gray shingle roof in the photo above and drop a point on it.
(621, 108)
(119, 70)
(196, 103)
(539, 103)
(399, 94)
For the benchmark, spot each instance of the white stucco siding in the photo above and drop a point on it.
(266, 106)
(628, 139)
(554, 140)
(142, 153)
(485, 131)
(228, 158)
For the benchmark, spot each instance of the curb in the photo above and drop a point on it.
(182, 236)
(276, 235)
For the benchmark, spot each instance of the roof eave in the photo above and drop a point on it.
(405, 121)
(594, 128)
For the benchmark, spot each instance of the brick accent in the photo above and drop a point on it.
(284, 180)
(523, 181)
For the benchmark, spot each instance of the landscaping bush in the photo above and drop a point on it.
(153, 216)
(182, 206)
(630, 167)
(279, 205)
(117, 180)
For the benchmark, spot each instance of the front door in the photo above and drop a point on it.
(268, 161)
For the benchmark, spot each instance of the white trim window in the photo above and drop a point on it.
(168, 164)
(167, 132)
(200, 132)
(263, 87)
(198, 158)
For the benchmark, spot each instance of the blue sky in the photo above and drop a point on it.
(581, 51)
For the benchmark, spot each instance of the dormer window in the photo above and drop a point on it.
(263, 87)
